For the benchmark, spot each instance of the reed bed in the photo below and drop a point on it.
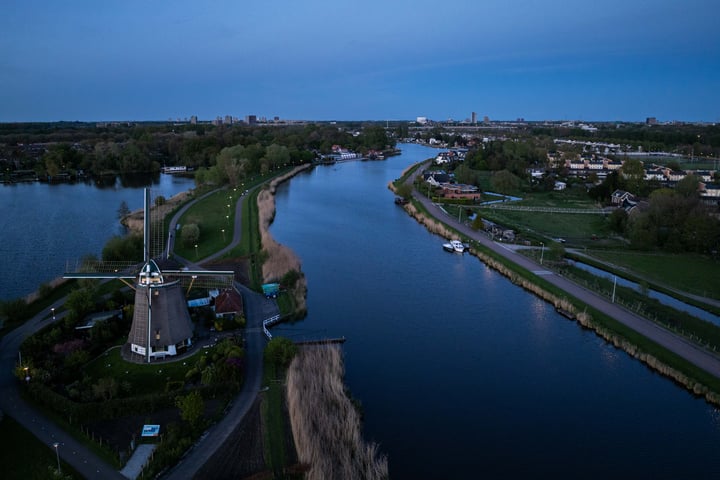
(279, 258)
(325, 423)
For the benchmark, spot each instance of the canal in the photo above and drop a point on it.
(460, 373)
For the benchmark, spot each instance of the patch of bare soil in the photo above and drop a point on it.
(241, 456)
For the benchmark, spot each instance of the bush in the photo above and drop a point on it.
(280, 351)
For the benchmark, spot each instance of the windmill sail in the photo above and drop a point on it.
(161, 323)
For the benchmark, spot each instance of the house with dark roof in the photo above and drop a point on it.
(228, 303)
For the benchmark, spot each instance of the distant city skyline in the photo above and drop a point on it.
(618, 60)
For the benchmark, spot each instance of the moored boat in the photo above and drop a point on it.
(454, 246)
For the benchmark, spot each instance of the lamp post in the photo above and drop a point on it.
(542, 252)
(27, 375)
(57, 455)
(196, 251)
(228, 219)
(52, 309)
(223, 232)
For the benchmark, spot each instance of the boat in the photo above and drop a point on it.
(454, 246)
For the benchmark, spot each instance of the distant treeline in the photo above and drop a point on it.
(51, 149)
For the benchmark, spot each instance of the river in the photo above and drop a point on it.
(45, 225)
(460, 373)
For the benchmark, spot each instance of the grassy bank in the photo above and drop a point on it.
(691, 377)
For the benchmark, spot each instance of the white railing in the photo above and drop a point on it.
(269, 322)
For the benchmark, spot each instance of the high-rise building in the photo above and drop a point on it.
(651, 121)
(473, 118)
(193, 119)
(486, 119)
(250, 119)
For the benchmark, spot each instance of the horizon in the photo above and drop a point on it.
(330, 61)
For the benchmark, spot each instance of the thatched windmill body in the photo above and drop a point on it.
(161, 323)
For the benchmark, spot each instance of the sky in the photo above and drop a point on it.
(587, 60)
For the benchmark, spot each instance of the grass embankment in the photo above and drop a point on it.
(660, 359)
(655, 356)
(279, 450)
(325, 423)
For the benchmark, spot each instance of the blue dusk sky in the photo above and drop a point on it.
(360, 60)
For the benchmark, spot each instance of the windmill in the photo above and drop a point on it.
(161, 323)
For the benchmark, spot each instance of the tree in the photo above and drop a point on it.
(634, 174)
(190, 234)
(191, 408)
(159, 200)
(127, 248)
(80, 302)
(688, 186)
(618, 220)
(404, 190)
(505, 182)
(123, 210)
(277, 156)
(280, 351)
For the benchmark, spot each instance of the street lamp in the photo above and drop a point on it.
(52, 309)
(196, 251)
(57, 455)
(27, 375)
(223, 232)
(542, 252)
(228, 219)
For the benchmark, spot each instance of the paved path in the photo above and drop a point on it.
(70, 450)
(257, 309)
(694, 354)
(81, 458)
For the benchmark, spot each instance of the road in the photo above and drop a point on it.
(258, 308)
(672, 342)
(70, 450)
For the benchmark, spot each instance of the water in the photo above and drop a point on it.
(42, 226)
(460, 373)
(661, 297)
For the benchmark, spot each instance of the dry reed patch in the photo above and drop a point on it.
(280, 259)
(325, 423)
(134, 221)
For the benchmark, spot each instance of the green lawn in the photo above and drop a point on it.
(215, 219)
(575, 228)
(690, 273)
(150, 378)
(572, 197)
(23, 456)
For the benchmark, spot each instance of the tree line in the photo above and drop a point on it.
(148, 147)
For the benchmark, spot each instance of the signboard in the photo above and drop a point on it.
(150, 431)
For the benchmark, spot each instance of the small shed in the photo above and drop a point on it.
(271, 290)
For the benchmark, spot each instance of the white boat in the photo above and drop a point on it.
(454, 246)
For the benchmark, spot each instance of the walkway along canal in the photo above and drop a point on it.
(455, 365)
